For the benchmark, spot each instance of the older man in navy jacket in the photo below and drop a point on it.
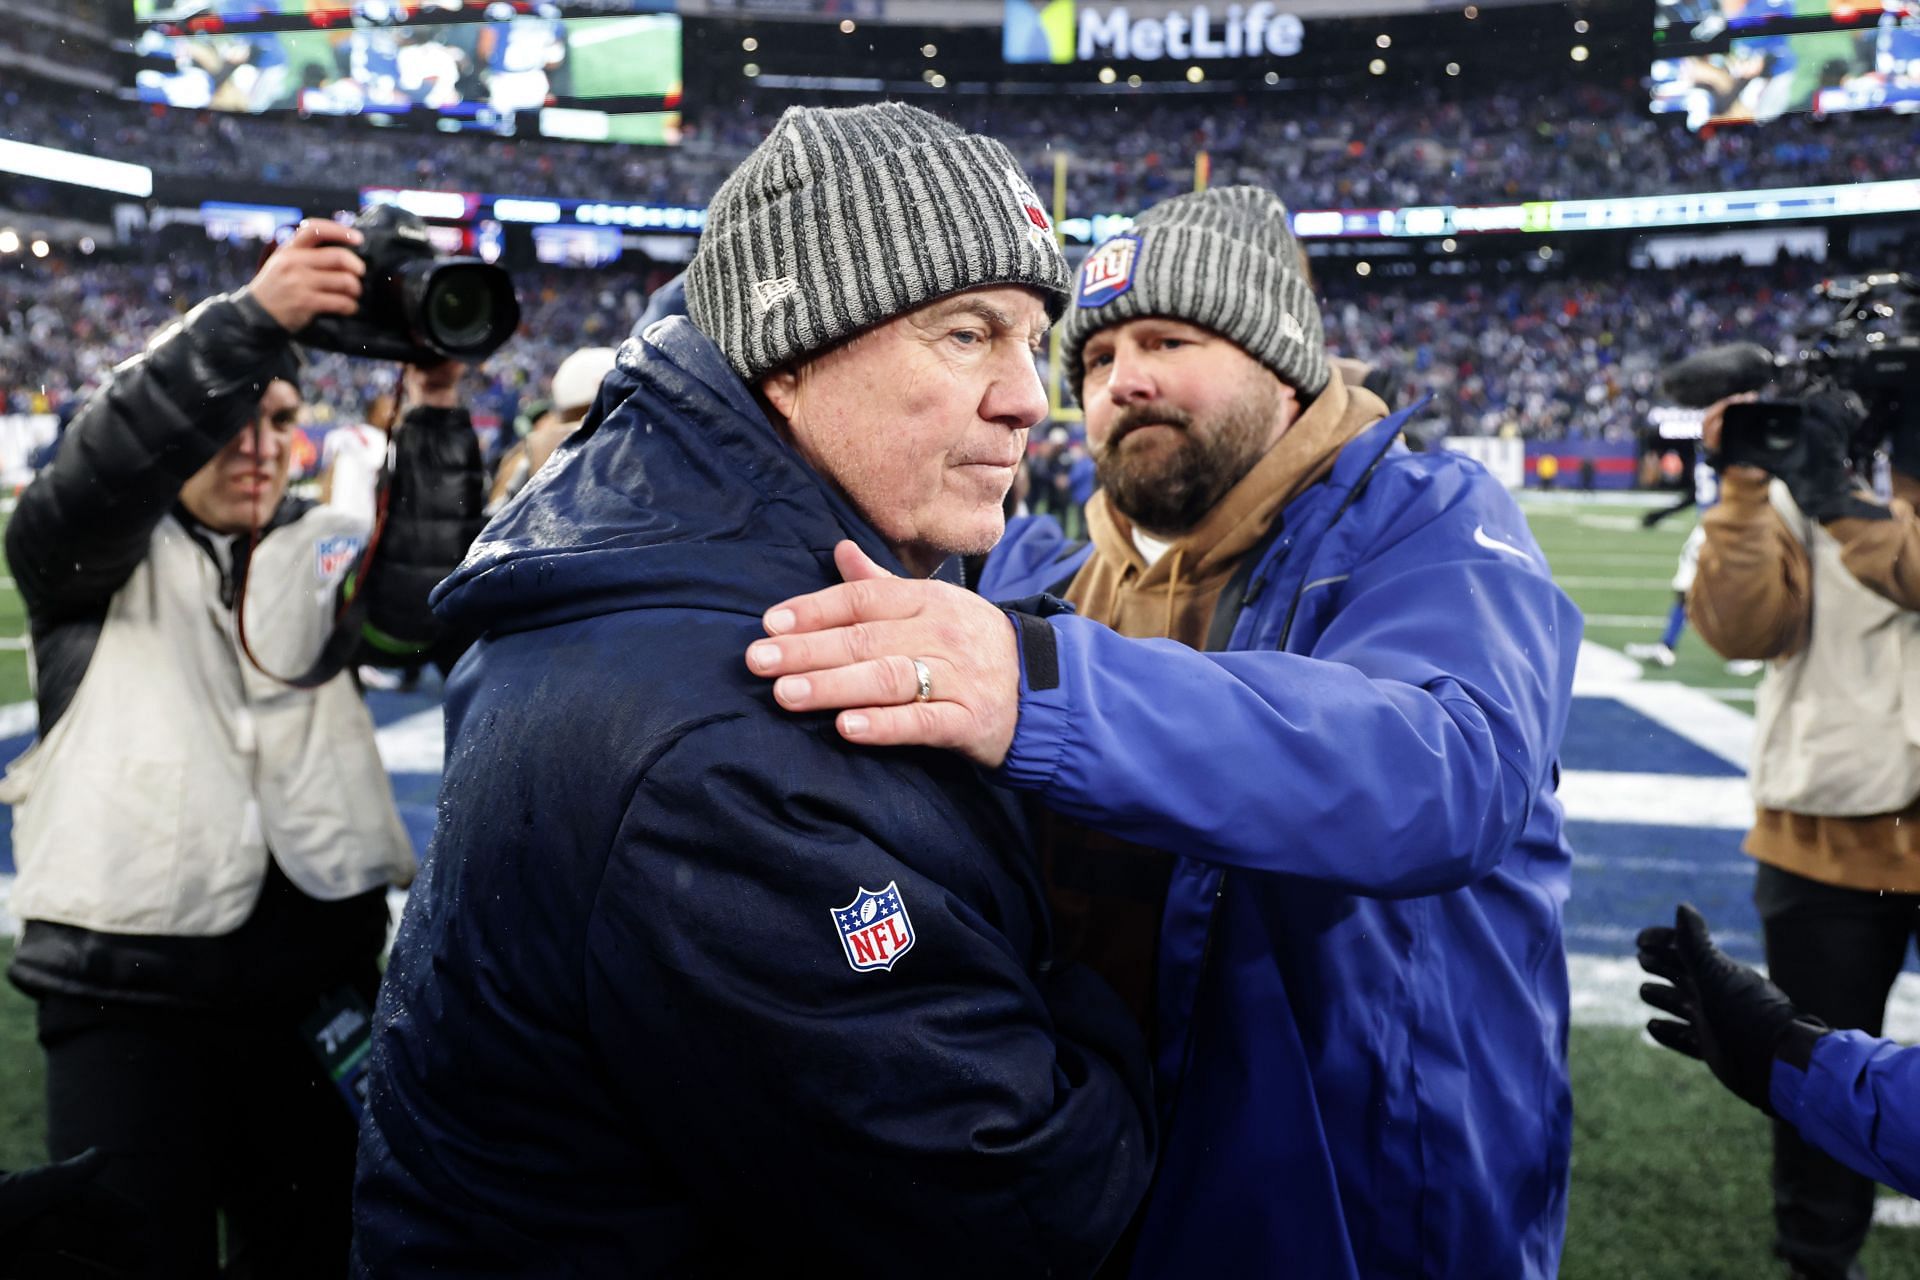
(690, 986)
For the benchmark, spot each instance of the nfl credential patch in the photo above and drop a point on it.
(1108, 271)
(333, 555)
(875, 930)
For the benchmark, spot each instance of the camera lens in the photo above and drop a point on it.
(459, 309)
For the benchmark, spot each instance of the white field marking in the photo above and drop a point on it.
(1698, 717)
(16, 643)
(1615, 524)
(1731, 867)
(1891, 1209)
(1658, 799)
(1606, 993)
(415, 743)
(1613, 584)
(1730, 695)
(1565, 501)
(1627, 558)
(17, 718)
(1625, 620)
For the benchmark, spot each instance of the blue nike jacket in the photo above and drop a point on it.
(1362, 987)
(688, 985)
(1858, 1100)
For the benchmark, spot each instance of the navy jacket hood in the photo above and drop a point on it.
(676, 492)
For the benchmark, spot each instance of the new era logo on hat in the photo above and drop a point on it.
(1108, 271)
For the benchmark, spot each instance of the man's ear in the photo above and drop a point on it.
(781, 389)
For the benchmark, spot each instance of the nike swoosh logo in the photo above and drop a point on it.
(1494, 544)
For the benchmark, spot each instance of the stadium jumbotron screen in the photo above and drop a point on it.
(1727, 61)
(509, 67)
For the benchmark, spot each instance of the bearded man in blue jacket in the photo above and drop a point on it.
(1299, 745)
(688, 985)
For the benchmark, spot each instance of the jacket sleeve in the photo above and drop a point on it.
(1751, 596)
(83, 525)
(1401, 757)
(1884, 554)
(434, 512)
(955, 1109)
(1859, 1101)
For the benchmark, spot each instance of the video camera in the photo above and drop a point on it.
(1870, 347)
(416, 307)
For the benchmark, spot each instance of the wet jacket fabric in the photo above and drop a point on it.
(1361, 1024)
(1855, 1101)
(637, 1020)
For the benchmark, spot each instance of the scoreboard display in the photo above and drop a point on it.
(606, 70)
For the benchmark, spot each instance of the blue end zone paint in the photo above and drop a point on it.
(1608, 736)
(1627, 876)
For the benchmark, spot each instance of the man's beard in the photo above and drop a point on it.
(1170, 493)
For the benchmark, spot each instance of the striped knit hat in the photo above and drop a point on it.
(846, 217)
(1224, 259)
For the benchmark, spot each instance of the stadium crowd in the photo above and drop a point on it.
(1540, 356)
(1518, 142)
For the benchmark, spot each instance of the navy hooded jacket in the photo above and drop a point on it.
(689, 985)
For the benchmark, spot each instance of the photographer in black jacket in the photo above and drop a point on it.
(204, 848)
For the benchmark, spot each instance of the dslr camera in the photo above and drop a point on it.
(416, 307)
(1870, 347)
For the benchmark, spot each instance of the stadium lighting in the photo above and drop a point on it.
(1378, 66)
(1195, 75)
(1273, 77)
(1580, 28)
(41, 248)
(749, 44)
(1363, 268)
(55, 165)
(939, 81)
(9, 241)
(1133, 82)
(1453, 68)
(1472, 12)
(1107, 75)
(87, 245)
(847, 26)
(1579, 53)
(1384, 41)
(1449, 245)
(751, 70)
(1546, 252)
(929, 51)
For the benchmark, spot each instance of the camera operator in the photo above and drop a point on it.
(1807, 569)
(204, 848)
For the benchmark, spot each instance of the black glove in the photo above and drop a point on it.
(1731, 1018)
(1817, 471)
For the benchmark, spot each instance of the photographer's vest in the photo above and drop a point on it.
(151, 806)
(1837, 725)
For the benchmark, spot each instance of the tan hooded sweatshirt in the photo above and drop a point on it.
(1753, 598)
(1106, 893)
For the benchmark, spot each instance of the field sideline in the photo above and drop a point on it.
(1669, 1172)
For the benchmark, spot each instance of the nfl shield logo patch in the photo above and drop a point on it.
(1108, 271)
(875, 930)
(333, 555)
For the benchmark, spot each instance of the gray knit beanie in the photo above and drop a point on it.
(848, 216)
(1224, 259)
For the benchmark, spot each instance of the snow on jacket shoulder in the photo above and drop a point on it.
(625, 1030)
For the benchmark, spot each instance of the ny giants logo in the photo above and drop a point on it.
(875, 930)
(1108, 271)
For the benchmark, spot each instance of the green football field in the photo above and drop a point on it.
(1669, 1171)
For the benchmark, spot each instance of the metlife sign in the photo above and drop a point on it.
(1066, 31)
